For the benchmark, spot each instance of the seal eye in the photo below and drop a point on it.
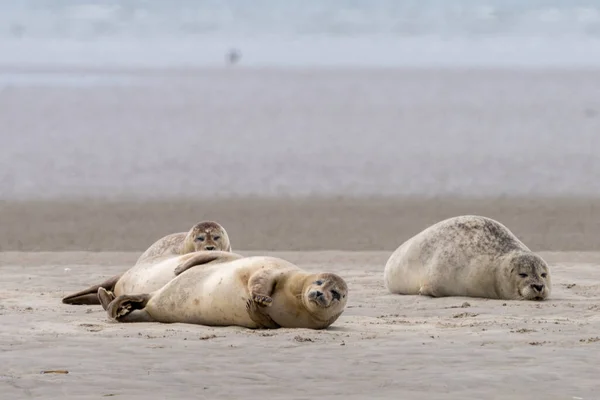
(523, 275)
(335, 295)
(319, 282)
(544, 275)
(200, 238)
(216, 237)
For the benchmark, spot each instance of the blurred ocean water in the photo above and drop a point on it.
(235, 131)
(302, 132)
(300, 32)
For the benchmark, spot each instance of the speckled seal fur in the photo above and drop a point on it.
(470, 256)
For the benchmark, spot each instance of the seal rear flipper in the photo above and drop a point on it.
(259, 315)
(205, 257)
(137, 316)
(129, 308)
(105, 297)
(89, 296)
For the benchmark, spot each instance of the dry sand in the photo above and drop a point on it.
(383, 346)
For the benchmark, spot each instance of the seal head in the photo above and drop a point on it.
(531, 275)
(325, 295)
(206, 235)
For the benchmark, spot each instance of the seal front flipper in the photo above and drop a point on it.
(259, 315)
(260, 286)
(428, 290)
(130, 308)
(261, 300)
(205, 257)
(89, 296)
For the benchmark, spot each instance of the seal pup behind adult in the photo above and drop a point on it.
(469, 256)
(205, 235)
(145, 277)
(252, 292)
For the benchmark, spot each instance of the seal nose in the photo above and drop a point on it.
(209, 247)
(318, 294)
(538, 288)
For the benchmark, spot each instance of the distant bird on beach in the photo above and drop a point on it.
(233, 56)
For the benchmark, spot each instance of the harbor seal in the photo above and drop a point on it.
(470, 256)
(146, 277)
(205, 235)
(252, 292)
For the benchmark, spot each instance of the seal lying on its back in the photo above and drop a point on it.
(145, 277)
(468, 256)
(252, 292)
(206, 235)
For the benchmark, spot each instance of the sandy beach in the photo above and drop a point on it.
(325, 133)
(383, 346)
(328, 169)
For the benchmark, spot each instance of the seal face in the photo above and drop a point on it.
(205, 235)
(532, 276)
(471, 256)
(252, 292)
(328, 290)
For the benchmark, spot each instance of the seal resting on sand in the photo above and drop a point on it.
(469, 256)
(206, 235)
(145, 277)
(252, 292)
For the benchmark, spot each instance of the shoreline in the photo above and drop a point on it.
(289, 224)
(191, 71)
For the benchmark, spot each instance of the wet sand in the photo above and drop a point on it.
(299, 224)
(383, 346)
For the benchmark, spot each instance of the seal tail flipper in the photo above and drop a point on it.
(129, 308)
(205, 257)
(89, 296)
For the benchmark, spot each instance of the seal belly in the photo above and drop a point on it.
(222, 300)
(213, 297)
